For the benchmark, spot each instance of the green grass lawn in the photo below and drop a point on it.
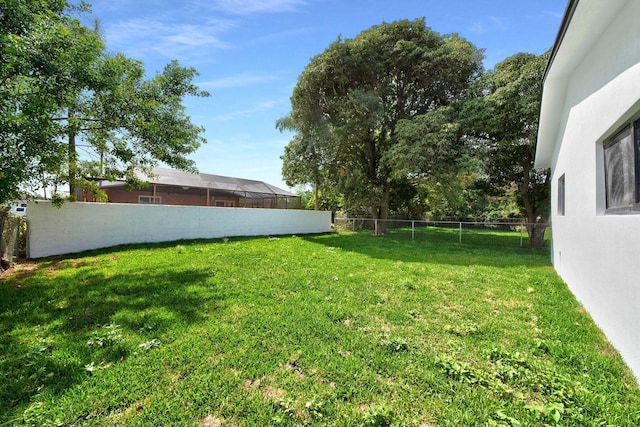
(340, 329)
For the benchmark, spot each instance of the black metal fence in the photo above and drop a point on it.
(512, 232)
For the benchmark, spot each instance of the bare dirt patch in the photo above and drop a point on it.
(273, 393)
(210, 421)
(20, 272)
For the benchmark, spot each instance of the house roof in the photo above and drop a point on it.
(583, 23)
(246, 188)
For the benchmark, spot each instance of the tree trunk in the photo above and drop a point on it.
(73, 161)
(4, 265)
(536, 224)
(382, 213)
(315, 197)
(536, 229)
(72, 167)
(6, 249)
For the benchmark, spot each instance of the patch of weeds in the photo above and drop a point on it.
(92, 367)
(462, 329)
(107, 336)
(151, 344)
(541, 347)
(395, 345)
(522, 378)
(106, 343)
(551, 412)
(40, 347)
(315, 408)
(509, 366)
(36, 415)
(147, 328)
(378, 416)
(456, 370)
(517, 358)
(289, 409)
(181, 249)
(409, 285)
(286, 409)
(500, 419)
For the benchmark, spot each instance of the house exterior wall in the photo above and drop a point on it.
(598, 254)
(18, 207)
(79, 226)
(170, 196)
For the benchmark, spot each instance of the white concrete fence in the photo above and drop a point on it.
(76, 227)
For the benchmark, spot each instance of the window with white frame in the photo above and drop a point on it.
(225, 203)
(621, 169)
(561, 195)
(150, 200)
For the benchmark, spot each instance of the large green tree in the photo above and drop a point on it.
(350, 99)
(303, 158)
(130, 123)
(59, 89)
(44, 58)
(435, 145)
(505, 123)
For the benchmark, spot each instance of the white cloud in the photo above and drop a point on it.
(182, 40)
(240, 80)
(246, 7)
(259, 107)
(489, 24)
(189, 32)
(191, 36)
(553, 14)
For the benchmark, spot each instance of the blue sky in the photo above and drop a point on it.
(249, 54)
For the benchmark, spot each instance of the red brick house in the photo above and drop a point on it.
(175, 187)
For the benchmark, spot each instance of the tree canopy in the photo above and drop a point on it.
(350, 100)
(506, 122)
(59, 86)
(401, 116)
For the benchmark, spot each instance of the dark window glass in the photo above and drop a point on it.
(620, 170)
(561, 195)
(636, 127)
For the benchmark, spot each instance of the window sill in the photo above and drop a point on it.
(626, 210)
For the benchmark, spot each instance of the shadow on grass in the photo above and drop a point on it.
(439, 245)
(59, 320)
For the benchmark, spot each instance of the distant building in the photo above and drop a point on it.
(175, 187)
(18, 207)
(589, 136)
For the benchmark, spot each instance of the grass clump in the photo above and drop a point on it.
(343, 330)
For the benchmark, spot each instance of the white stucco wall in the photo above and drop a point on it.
(598, 254)
(77, 227)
